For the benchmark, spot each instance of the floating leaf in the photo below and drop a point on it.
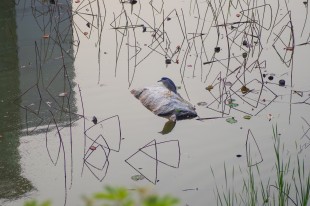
(233, 105)
(168, 127)
(231, 120)
(45, 36)
(239, 155)
(209, 88)
(92, 148)
(85, 33)
(247, 117)
(137, 177)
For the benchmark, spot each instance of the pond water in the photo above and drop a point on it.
(243, 64)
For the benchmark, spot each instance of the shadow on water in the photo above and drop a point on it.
(12, 183)
(35, 86)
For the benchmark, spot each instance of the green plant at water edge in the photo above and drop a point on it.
(120, 196)
(302, 184)
(35, 203)
(291, 184)
(282, 169)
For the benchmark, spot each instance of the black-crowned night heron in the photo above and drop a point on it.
(168, 83)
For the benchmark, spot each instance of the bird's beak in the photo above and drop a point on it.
(159, 81)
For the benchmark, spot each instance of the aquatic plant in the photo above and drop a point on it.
(291, 184)
(120, 196)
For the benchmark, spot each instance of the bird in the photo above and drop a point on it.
(168, 83)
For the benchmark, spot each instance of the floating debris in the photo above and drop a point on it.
(45, 36)
(282, 82)
(209, 88)
(217, 49)
(289, 48)
(270, 78)
(143, 28)
(202, 104)
(63, 94)
(92, 148)
(238, 155)
(85, 33)
(168, 61)
(228, 84)
(247, 117)
(49, 104)
(231, 120)
(88, 24)
(269, 117)
(137, 177)
(244, 89)
(244, 55)
(190, 189)
(229, 101)
(94, 120)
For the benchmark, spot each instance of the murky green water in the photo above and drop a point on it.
(52, 84)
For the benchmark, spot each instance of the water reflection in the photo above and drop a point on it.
(36, 83)
(12, 183)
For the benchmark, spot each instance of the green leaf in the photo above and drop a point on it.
(160, 201)
(247, 117)
(46, 203)
(104, 196)
(168, 127)
(137, 177)
(231, 120)
(233, 105)
(31, 203)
